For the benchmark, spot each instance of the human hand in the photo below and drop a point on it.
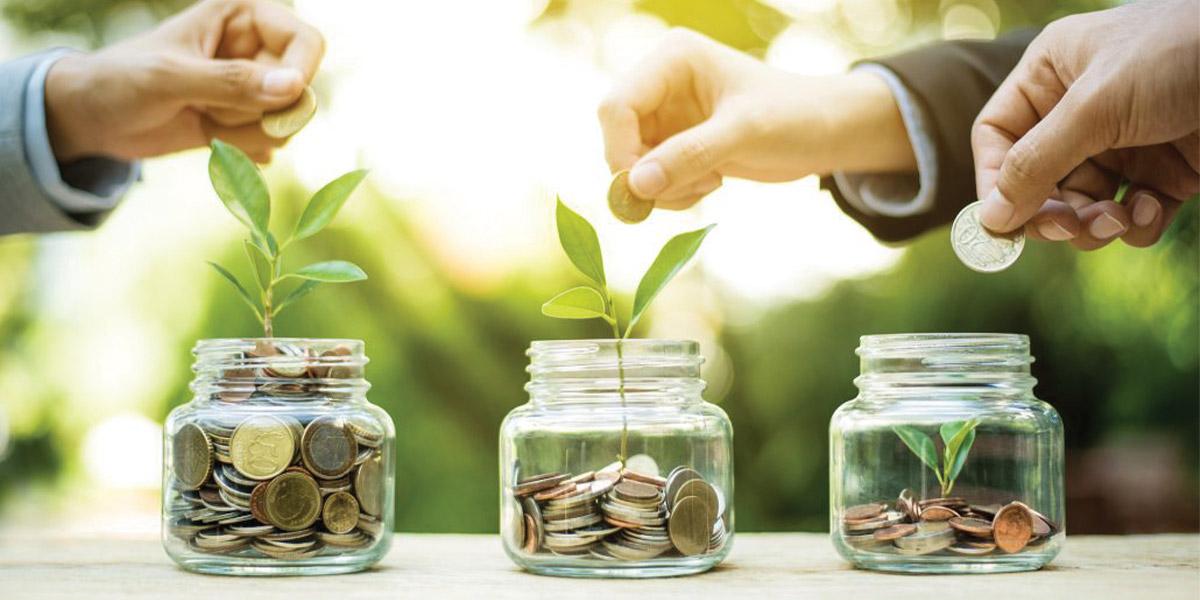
(696, 111)
(1096, 98)
(209, 72)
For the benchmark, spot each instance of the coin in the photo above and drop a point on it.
(626, 207)
(368, 486)
(895, 531)
(633, 490)
(292, 501)
(286, 122)
(937, 512)
(698, 488)
(261, 447)
(977, 527)
(535, 532)
(191, 456)
(643, 464)
(1013, 527)
(980, 249)
(863, 511)
(340, 513)
(689, 526)
(538, 483)
(328, 447)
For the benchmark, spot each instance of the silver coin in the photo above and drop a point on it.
(979, 249)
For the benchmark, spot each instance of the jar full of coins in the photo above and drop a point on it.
(279, 465)
(616, 467)
(946, 462)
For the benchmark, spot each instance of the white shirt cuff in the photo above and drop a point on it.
(109, 181)
(896, 194)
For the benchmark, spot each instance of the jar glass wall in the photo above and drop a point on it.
(616, 467)
(946, 462)
(278, 465)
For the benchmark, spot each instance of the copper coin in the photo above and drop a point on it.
(895, 531)
(257, 499)
(948, 501)
(562, 491)
(863, 512)
(654, 480)
(937, 513)
(977, 527)
(531, 541)
(538, 483)
(1013, 527)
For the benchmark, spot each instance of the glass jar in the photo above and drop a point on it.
(278, 465)
(616, 467)
(946, 462)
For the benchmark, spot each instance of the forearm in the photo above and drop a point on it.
(865, 131)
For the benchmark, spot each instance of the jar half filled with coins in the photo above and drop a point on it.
(946, 462)
(279, 465)
(616, 467)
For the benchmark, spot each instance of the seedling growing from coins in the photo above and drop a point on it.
(957, 437)
(594, 301)
(241, 188)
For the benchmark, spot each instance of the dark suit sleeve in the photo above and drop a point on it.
(950, 82)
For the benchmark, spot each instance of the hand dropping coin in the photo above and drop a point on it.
(286, 122)
(979, 249)
(626, 207)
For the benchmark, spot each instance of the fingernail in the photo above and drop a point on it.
(647, 179)
(1145, 209)
(996, 211)
(1106, 226)
(1053, 231)
(281, 82)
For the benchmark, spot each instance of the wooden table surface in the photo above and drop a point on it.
(474, 566)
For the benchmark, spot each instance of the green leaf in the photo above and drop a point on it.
(301, 291)
(582, 302)
(326, 203)
(674, 254)
(921, 445)
(579, 241)
(259, 263)
(238, 286)
(330, 271)
(958, 446)
(240, 186)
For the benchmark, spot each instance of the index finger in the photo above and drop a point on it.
(297, 43)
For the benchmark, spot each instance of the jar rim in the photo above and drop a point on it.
(238, 343)
(901, 344)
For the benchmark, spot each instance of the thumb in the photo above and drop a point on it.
(683, 159)
(234, 83)
(1031, 169)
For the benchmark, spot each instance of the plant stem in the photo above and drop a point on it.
(269, 300)
(624, 451)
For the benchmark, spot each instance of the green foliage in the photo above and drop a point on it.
(582, 246)
(957, 437)
(242, 190)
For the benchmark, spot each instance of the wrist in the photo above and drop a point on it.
(865, 122)
(66, 92)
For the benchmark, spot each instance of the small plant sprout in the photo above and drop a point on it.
(957, 437)
(593, 301)
(241, 188)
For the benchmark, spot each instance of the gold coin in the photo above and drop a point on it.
(1012, 528)
(340, 514)
(262, 447)
(292, 501)
(700, 489)
(191, 456)
(368, 486)
(626, 207)
(689, 526)
(286, 122)
(328, 447)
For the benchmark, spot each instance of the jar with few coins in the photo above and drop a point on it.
(616, 467)
(946, 462)
(278, 465)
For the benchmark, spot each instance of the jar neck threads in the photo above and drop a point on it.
(950, 361)
(279, 370)
(593, 371)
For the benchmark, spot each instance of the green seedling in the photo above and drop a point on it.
(957, 438)
(241, 188)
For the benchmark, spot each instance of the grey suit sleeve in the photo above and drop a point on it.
(33, 188)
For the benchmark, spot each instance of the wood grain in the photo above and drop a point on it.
(474, 566)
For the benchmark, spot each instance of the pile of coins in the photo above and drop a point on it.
(620, 512)
(287, 373)
(944, 525)
(277, 484)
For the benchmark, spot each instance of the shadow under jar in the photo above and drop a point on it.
(946, 462)
(616, 467)
(278, 465)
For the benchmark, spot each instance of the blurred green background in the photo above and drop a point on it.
(471, 121)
